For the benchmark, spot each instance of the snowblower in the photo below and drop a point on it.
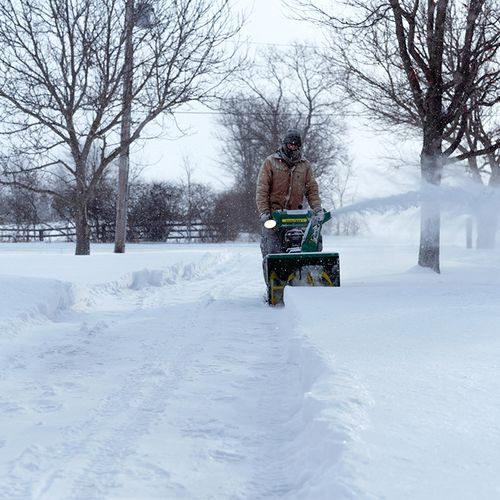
(301, 263)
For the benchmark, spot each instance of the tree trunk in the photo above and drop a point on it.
(468, 232)
(82, 229)
(430, 224)
(487, 216)
(487, 226)
(123, 164)
(430, 211)
(487, 221)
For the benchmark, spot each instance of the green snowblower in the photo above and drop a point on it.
(301, 263)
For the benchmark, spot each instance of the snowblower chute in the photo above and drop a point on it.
(302, 263)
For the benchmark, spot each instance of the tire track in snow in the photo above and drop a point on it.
(95, 448)
(134, 408)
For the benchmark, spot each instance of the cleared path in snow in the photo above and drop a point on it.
(176, 383)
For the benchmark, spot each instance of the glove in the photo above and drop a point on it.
(264, 216)
(318, 217)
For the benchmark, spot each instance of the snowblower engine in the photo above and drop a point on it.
(301, 262)
(293, 239)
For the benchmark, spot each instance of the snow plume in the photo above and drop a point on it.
(456, 199)
(394, 203)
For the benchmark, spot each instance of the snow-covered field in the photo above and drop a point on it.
(162, 374)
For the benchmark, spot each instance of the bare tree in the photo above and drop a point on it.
(286, 89)
(23, 207)
(153, 206)
(187, 186)
(337, 191)
(62, 74)
(415, 63)
(4, 208)
(483, 131)
(482, 134)
(197, 201)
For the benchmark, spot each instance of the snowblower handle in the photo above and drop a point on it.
(327, 216)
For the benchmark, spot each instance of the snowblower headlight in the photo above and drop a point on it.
(270, 224)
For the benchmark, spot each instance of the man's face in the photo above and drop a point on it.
(292, 147)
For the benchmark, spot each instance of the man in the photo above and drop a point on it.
(285, 181)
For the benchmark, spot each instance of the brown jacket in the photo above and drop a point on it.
(280, 187)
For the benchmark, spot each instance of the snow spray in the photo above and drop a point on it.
(458, 199)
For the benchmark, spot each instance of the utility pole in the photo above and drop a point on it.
(123, 161)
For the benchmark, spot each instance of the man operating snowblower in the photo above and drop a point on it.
(291, 233)
(286, 180)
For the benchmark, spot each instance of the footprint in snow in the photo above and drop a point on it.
(226, 456)
(11, 408)
(46, 406)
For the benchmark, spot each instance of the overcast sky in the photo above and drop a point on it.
(266, 24)
(269, 23)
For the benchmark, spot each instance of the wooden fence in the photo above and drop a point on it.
(16, 234)
(176, 233)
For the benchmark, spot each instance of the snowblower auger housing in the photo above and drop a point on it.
(301, 263)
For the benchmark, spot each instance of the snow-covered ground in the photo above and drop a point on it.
(162, 374)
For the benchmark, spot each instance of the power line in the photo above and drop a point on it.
(276, 44)
(225, 113)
